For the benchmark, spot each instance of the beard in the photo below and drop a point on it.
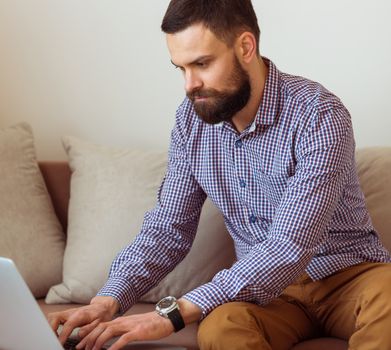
(223, 105)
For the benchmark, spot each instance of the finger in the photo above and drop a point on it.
(83, 331)
(122, 341)
(105, 336)
(66, 332)
(76, 320)
(89, 340)
(54, 321)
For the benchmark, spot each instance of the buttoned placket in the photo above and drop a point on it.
(243, 181)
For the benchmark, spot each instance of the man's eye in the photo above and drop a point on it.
(201, 64)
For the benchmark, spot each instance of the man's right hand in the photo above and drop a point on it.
(101, 309)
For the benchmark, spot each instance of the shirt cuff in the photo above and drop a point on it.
(207, 297)
(120, 289)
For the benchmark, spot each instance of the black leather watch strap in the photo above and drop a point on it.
(176, 318)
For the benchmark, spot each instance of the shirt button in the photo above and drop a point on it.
(238, 143)
(242, 183)
(252, 219)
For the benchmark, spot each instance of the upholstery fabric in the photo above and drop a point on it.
(374, 169)
(110, 192)
(30, 232)
(57, 178)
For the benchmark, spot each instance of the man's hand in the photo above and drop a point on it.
(87, 317)
(149, 326)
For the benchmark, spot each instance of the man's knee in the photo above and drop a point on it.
(231, 326)
(373, 312)
(376, 298)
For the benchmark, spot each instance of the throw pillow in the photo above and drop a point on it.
(30, 232)
(110, 192)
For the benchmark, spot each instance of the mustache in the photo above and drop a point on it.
(202, 93)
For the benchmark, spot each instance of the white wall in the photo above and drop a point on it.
(100, 70)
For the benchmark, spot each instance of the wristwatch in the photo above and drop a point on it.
(169, 308)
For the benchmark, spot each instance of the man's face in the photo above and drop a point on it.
(215, 81)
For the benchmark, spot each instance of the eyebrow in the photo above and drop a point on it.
(200, 58)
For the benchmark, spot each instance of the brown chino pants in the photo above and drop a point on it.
(353, 304)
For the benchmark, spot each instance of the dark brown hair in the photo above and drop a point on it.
(224, 18)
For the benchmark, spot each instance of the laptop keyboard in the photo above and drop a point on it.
(70, 344)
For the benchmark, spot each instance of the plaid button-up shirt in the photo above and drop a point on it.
(287, 187)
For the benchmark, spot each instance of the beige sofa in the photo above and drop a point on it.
(374, 166)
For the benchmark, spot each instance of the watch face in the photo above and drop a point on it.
(169, 308)
(166, 304)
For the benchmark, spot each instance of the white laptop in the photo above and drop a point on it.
(22, 324)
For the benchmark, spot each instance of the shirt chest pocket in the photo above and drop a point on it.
(273, 186)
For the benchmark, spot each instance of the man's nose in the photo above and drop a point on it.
(192, 82)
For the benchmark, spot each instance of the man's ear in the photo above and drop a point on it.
(246, 45)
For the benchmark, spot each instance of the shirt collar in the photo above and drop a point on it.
(268, 109)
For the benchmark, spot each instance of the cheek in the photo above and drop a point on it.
(216, 79)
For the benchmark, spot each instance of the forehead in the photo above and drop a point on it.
(194, 41)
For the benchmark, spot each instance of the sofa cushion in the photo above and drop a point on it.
(374, 169)
(30, 232)
(110, 192)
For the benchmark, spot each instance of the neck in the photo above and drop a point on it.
(258, 74)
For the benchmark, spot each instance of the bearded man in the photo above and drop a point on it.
(275, 153)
